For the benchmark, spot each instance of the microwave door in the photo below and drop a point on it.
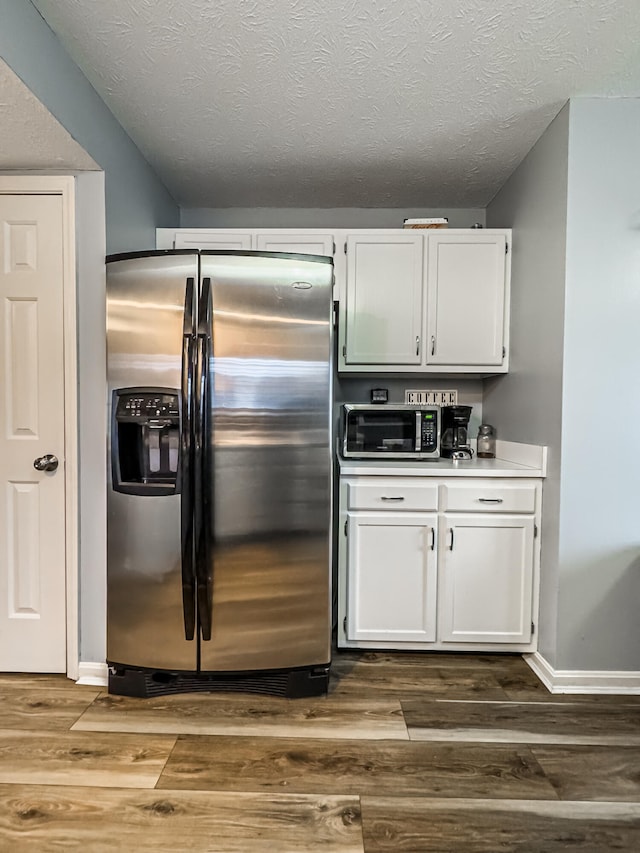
(392, 432)
(371, 434)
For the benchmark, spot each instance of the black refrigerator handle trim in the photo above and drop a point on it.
(202, 466)
(186, 465)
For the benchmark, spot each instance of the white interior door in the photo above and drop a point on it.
(32, 502)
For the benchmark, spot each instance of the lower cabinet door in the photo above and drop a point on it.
(391, 579)
(485, 576)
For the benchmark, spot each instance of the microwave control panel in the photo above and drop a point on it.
(429, 431)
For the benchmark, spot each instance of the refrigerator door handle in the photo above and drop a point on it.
(186, 466)
(202, 473)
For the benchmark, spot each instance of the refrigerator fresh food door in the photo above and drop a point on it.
(151, 314)
(269, 461)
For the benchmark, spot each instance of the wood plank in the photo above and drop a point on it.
(512, 722)
(230, 714)
(468, 676)
(75, 758)
(343, 659)
(362, 679)
(36, 819)
(353, 767)
(526, 687)
(604, 773)
(39, 681)
(412, 825)
(52, 709)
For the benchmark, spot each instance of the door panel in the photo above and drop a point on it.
(384, 299)
(392, 577)
(145, 313)
(466, 299)
(231, 240)
(32, 508)
(310, 244)
(486, 578)
(270, 458)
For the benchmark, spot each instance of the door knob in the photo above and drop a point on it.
(48, 462)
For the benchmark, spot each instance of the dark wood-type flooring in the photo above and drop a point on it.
(413, 752)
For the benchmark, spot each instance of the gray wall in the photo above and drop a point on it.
(599, 596)
(575, 210)
(526, 405)
(137, 202)
(339, 217)
(90, 241)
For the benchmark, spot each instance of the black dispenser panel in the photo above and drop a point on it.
(145, 441)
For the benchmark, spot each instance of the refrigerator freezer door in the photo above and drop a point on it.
(270, 462)
(146, 298)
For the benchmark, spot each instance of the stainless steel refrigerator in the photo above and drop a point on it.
(219, 458)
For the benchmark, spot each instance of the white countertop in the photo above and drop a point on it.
(512, 460)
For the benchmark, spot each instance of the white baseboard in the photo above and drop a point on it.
(95, 674)
(583, 681)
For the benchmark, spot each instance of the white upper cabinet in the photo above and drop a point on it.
(410, 301)
(449, 316)
(466, 299)
(306, 244)
(212, 239)
(383, 299)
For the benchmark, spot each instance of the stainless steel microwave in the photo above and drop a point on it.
(390, 432)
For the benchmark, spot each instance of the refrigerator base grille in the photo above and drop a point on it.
(292, 684)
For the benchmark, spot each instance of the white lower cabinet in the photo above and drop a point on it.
(485, 570)
(392, 588)
(437, 563)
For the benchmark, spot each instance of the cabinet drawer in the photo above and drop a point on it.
(489, 497)
(392, 492)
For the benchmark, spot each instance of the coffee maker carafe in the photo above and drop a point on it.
(455, 432)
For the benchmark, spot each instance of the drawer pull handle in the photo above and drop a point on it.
(433, 539)
(451, 542)
(384, 498)
(490, 500)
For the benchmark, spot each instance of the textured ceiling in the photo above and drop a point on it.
(358, 103)
(30, 137)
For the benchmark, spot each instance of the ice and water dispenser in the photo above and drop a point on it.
(145, 441)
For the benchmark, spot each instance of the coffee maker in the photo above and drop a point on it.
(454, 443)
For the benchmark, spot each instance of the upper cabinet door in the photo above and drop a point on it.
(384, 299)
(306, 244)
(466, 277)
(213, 239)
